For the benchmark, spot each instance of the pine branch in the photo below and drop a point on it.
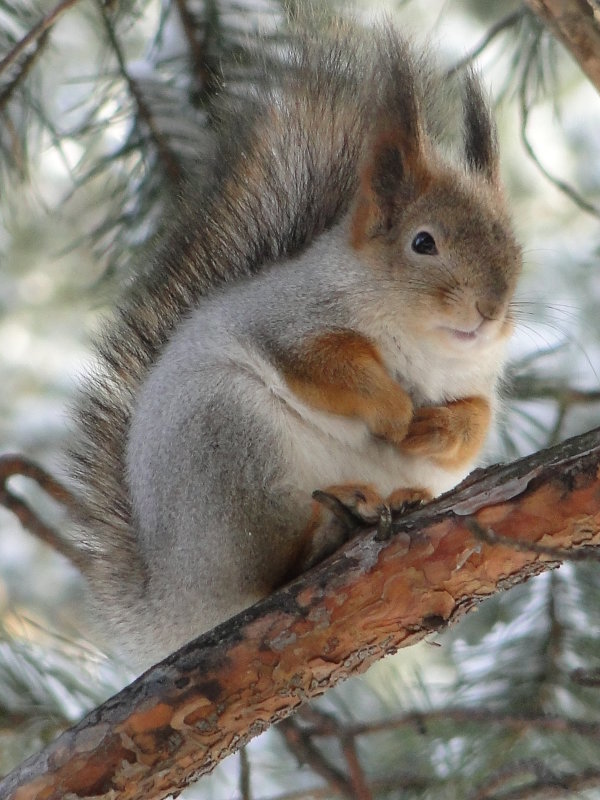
(502, 25)
(24, 70)
(36, 33)
(167, 157)
(577, 24)
(178, 720)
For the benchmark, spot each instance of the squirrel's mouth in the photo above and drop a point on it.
(463, 336)
(480, 333)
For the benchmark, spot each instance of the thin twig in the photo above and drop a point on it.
(550, 649)
(456, 716)
(298, 742)
(560, 184)
(170, 162)
(11, 465)
(322, 724)
(586, 677)
(555, 434)
(245, 791)
(35, 33)
(16, 145)
(565, 397)
(511, 773)
(531, 389)
(509, 21)
(25, 69)
(325, 724)
(575, 23)
(394, 783)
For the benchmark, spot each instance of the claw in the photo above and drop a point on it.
(384, 528)
(337, 508)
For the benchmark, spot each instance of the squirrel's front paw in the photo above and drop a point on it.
(391, 424)
(432, 432)
(402, 500)
(452, 435)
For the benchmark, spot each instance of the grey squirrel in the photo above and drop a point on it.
(329, 313)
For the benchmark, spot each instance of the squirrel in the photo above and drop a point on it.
(326, 324)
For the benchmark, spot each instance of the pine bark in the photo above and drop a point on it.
(178, 720)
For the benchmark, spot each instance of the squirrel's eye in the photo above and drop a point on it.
(424, 244)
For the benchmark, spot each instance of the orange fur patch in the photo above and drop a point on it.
(451, 435)
(342, 373)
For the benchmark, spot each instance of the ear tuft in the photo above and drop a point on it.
(481, 146)
(393, 171)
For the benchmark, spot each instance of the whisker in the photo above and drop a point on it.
(569, 338)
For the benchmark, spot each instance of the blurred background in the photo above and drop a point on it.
(100, 117)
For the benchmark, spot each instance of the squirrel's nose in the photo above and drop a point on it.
(490, 307)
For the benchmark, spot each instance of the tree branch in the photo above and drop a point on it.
(299, 744)
(12, 465)
(361, 790)
(177, 721)
(576, 23)
(544, 787)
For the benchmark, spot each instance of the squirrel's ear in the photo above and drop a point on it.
(393, 174)
(481, 146)
(393, 171)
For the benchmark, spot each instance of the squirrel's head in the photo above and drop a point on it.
(438, 236)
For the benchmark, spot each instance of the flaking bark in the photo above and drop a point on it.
(178, 720)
